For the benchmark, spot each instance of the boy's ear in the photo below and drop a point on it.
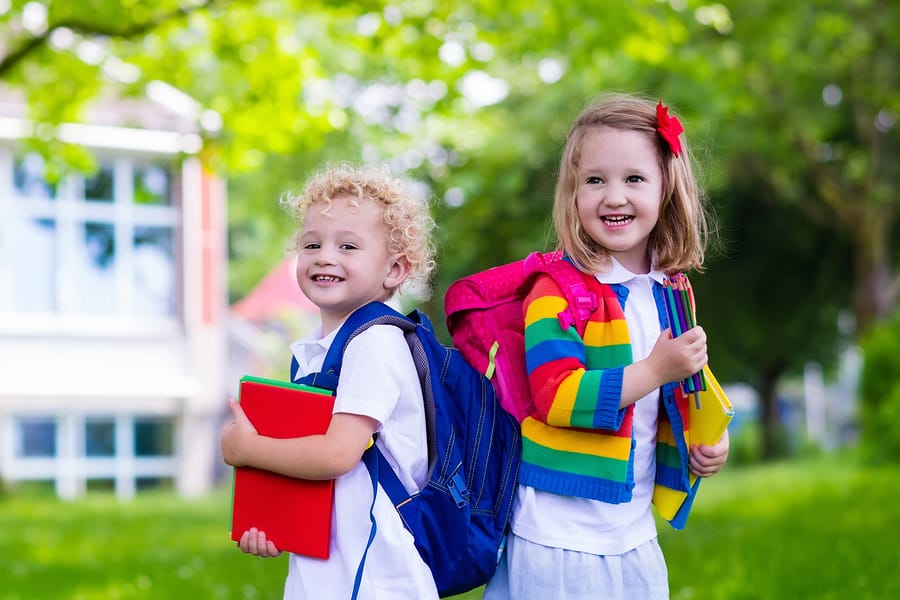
(397, 273)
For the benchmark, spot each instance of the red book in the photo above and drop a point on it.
(294, 513)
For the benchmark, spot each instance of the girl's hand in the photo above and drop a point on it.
(679, 357)
(237, 436)
(254, 542)
(709, 460)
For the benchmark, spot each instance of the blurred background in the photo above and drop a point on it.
(144, 147)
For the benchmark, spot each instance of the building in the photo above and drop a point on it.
(113, 301)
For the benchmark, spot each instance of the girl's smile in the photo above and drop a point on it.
(616, 221)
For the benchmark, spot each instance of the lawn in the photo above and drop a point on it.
(818, 528)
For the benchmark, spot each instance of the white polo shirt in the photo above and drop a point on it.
(378, 379)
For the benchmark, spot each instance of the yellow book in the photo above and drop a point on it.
(706, 424)
(708, 421)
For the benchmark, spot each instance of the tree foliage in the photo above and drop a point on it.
(791, 106)
(880, 392)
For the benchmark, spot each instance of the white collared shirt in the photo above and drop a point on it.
(379, 380)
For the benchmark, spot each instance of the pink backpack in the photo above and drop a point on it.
(485, 320)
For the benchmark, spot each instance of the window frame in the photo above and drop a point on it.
(71, 213)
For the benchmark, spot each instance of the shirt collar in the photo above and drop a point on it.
(307, 349)
(619, 274)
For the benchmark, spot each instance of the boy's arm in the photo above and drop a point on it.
(325, 456)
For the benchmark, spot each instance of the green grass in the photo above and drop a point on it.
(821, 528)
(156, 546)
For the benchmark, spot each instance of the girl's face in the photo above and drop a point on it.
(619, 193)
(343, 262)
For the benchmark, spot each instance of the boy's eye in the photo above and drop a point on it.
(311, 246)
(348, 247)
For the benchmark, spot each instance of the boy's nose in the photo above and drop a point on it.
(325, 257)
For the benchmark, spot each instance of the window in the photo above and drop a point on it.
(154, 483)
(154, 270)
(152, 185)
(99, 187)
(34, 288)
(103, 244)
(99, 452)
(154, 437)
(36, 438)
(99, 437)
(29, 179)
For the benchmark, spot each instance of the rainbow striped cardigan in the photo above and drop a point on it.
(576, 441)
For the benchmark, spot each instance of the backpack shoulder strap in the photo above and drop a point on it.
(373, 313)
(380, 471)
(573, 283)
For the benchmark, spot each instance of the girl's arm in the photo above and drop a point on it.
(564, 392)
(671, 359)
(709, 460)
(325, 456)
(568, 394)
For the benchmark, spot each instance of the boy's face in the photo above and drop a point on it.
(343, 261)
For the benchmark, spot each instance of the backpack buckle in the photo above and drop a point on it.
(586, 304)
(565, 319)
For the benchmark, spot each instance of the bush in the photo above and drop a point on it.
(879, 393)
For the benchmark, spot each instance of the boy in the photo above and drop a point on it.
(362, 238)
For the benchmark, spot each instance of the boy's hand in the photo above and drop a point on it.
(254, 542)
(709, 460)
(236, 436)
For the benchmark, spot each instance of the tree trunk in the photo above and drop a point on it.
(772, 428)
(872, 286)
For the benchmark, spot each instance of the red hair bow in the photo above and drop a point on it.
(669, 128)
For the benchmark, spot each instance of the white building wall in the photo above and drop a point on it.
(76, 369)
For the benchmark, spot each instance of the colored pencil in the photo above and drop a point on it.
(679, 311)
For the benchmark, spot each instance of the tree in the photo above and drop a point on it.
(770, 300)
(474, 98)
(813, 89)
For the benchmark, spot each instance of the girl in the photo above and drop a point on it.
(362, 238)
(627, 211)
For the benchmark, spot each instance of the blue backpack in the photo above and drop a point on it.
(460, 518)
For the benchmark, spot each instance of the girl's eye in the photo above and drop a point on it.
(635, 179)
(593, 180)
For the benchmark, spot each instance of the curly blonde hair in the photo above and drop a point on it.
(404, 212)
(679, 240)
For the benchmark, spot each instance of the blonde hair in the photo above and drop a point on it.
(678, 242)
(405, 213)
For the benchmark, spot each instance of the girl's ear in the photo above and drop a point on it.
(397, 273)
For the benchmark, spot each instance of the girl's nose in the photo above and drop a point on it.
(614, 197)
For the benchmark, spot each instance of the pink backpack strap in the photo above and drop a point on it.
(582, 301)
